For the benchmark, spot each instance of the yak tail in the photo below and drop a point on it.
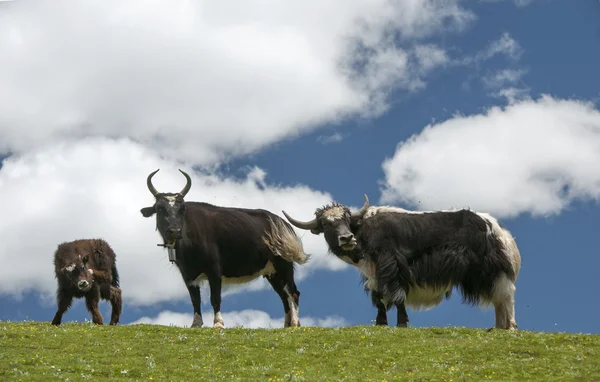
(115, 276)
(393, 276)
(283, 241)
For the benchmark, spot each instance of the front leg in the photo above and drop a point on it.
(194, 292)
(377, 299)
(402, 315)
(91, 302)
(64, 303)
(215, 282)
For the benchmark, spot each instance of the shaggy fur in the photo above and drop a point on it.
(87, 269)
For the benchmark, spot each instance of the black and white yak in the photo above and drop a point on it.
(416, 258)
(227, 245)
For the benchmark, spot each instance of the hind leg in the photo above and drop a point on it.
(277, 284)
(504, 303)
(285, 270)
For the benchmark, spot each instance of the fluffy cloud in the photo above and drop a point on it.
(95, 188)
(533, 156)
(249, 318)
(205, 80)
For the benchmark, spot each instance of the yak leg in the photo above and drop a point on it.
(277, 284)
(402, 315)
(64, 301)
(116, 301)
(215, 300)
(194, 292)
(91, 302)
(503, 298)
(286, 270)
(377, 299)
(113, 294)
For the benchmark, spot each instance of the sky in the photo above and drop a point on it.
(492, 105)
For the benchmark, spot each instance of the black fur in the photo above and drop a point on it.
(433, 249)
(222, 242)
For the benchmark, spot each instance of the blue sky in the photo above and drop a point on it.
(500, 99)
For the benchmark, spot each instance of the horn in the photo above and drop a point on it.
(149, 183)
(302, 225)
(364, 208)
(188, 185)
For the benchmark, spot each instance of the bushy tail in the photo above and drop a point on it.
(115, 276)
(509, 245)
(284, 242)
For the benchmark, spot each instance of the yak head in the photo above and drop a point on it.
(169, 209)
(78, 274)
(339, 226)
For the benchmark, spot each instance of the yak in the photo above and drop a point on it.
(87, 269)
(417, 258)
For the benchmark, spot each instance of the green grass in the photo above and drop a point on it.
(77, 351)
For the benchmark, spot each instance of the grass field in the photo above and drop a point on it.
(77, 351)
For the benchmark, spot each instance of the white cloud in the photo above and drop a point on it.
(204, 80)
(505, 46)
(518, 3)
(504, 77)
(249, 318)
(96, 187)
(534, 156)
(333, 138)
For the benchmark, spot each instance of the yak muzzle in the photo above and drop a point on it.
(347, 242)
(84, 285)
(174, 233)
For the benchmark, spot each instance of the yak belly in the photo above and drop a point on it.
(426, 297)
(267, 270)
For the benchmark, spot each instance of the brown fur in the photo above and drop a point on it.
(72, 264)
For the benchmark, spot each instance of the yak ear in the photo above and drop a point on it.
(148, 211)
(85, 258)
(315, 231)
(355, 222)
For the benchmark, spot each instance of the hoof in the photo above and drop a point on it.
(198, 322)
(402, 325)
(219, 325)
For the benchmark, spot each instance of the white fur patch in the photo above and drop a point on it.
(171, 200)
(70, 267)
(372, 211)
(90, 271)
(218, 321)
(334, 213)
(424, 298)
(367, 268)
(511, 250)
(294, 309)
(269, 269)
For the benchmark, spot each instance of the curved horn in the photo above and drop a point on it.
(302, 225)
(364, 208)
(188, 185)
(149, 183)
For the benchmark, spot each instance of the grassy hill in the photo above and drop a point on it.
(37, 351)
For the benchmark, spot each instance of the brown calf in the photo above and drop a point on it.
(87, 268)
